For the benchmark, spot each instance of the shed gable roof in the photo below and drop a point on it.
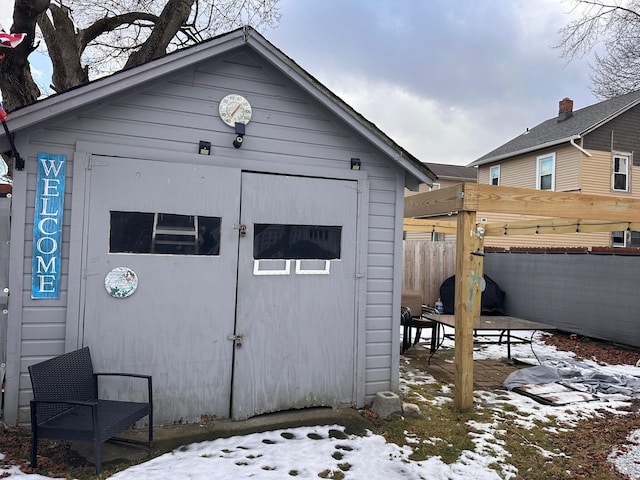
(553, 132)
(58, 104)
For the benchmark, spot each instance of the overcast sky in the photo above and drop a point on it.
(449, 80)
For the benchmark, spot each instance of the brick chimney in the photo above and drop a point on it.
(565, 109)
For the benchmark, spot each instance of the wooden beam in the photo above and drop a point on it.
(430, 226)
(436, 202)
(474, 197)
(557, 225)
(525, 201)
(466, 306)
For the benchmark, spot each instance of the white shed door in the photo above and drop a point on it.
(296, 294)
(172, 226)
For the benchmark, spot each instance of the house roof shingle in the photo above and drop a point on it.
(452, 172)
(553, 132)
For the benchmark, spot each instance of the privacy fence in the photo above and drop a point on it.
(589, 292)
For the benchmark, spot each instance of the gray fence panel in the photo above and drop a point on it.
(589, 294)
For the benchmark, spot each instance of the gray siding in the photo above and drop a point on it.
(619, 134)
(289, 132)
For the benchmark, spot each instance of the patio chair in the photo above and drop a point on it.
(415, 315)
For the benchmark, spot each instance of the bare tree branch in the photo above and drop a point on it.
(615, 28)
(173, 16)
(86, 39)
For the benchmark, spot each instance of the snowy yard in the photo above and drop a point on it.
(327, 452)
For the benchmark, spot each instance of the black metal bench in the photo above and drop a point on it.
(66, 405)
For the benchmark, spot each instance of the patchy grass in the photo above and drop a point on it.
(542, 450)
(576, 452)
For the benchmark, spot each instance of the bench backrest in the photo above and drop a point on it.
(66, 377)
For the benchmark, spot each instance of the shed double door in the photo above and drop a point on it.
(223, 334)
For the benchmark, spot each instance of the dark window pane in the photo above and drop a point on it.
(617, 238)
(278, 241)
(164, 233)
(635, 239)
(130, 232)
(545, 182)
(619, 181)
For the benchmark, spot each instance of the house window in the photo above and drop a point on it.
(437, 237)
(546, 172)
(435, 186)
(494, 175)
(625, 238)
(620, 175)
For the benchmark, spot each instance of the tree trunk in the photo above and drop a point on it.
(17, 84)
(63, 48)
(174, 15)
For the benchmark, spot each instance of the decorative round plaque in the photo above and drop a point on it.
(121, 282)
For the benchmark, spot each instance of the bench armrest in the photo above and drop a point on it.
(132, 375)
(135, 375)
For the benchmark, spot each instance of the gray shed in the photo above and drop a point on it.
(216, 218)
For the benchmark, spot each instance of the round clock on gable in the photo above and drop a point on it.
(234, 109)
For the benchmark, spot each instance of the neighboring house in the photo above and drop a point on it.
(229, 226)
(447, 176)
(594, 150)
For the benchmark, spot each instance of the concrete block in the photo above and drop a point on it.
(386, 403)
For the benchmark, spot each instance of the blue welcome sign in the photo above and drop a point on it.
(47, 228)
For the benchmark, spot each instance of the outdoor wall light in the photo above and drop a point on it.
(240, 130)
(355, 164)
(204, 148)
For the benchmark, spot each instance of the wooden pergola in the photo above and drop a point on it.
(565, 212)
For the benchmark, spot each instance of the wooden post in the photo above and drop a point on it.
(467, 304)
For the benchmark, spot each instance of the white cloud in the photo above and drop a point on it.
(433, 130)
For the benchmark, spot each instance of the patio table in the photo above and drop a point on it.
(485, 326)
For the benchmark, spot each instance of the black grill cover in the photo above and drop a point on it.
(492, 302)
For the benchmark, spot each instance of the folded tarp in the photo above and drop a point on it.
(570, 372)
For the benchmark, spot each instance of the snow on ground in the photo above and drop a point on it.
(306, 452)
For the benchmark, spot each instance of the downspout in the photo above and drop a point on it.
(572, 141)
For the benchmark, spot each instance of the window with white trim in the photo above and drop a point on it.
(620, 173)
(435, 186)
(625, 238)
(494, 175)
(546, 172)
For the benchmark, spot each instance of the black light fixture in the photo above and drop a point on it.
(355, 164)
(204, 148)
(240, 130)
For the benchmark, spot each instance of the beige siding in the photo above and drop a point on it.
(597, 173)
(521, 171)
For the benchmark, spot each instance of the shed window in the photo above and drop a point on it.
(164, 233)
(546, 172)
(282, 241)
(620, 176)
